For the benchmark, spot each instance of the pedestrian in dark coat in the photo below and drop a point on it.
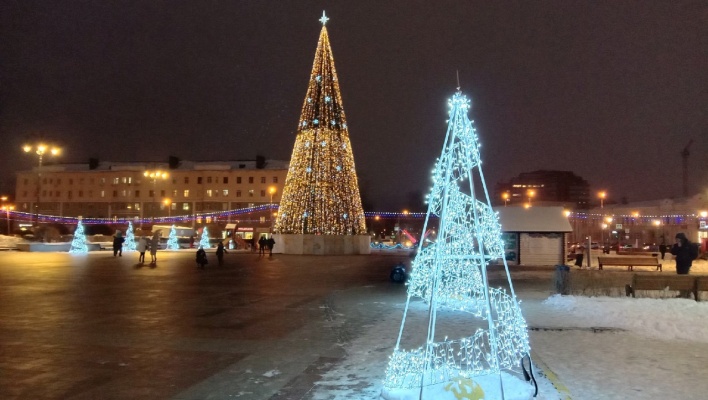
(685, 252)
(262, 243)
(270, 242)
(662, 249)
(201, 258)
(220, 250)
(118, 240)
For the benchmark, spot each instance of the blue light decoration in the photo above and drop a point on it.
(475, 333)
(172, 239)
(204, 241)
(78, 244)
(129, 244)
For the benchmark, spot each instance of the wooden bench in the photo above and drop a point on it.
(690, 283)
(638, 253)
(630, 262)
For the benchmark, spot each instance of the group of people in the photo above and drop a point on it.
(142, 245)
(265, 244)
(202, 260)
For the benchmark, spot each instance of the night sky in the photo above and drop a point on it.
(612, 90)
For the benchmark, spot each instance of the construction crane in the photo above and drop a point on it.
(684, 154)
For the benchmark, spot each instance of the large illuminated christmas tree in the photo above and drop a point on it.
(321, 192)
(471, 337)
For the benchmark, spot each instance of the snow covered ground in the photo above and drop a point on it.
(583, 348)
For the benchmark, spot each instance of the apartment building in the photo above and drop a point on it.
(146, 190)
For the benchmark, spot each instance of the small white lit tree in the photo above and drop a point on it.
(78, 244)
(172, 239)
(204, 241)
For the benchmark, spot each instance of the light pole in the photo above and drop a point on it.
(155, 176)
(7, 208)
(602, 196)
(505, 196)
(40, 149)
(272, 191)
(168, 204)
(530, 193)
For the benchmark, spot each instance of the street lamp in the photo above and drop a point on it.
(272, 191)
(505, 196)
(155, 175)
(602, 196)
(531, 193)
(7, 208)
(168, 204)
(40, 149)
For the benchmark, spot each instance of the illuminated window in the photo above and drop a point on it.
(174, 193)
(250, 193)
(185, 206)
(186, 193)
(208, 192)
(103, 193)
(115, 181)
(225, 192)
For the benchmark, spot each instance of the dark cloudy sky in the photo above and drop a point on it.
(612, 90)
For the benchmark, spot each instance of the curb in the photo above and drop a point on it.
(552, 377)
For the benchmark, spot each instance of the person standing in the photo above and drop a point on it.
(662, 249)
(685, 252)
(118, 244)
(142, 247)
(261, 245)
(220, 250)
(201, 258)
(579, 255)
(154, 244)
(270, 242)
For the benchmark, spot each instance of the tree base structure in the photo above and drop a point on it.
(321, 244)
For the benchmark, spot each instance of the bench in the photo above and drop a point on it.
(638, 253)
(687, 283)
(630, 262)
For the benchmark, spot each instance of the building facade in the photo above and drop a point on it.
(545, 187)
(149, 190)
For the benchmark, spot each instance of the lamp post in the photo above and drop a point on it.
(271, 191)
(155, 175)
(530, 193)
(168, 204)
(602, 196)
(40, 149)
(505, 196)
(7, 208)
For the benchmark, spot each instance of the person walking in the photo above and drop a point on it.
(684, 252)
(118, 240)
(579, 255)
(270, 242)
(262, 245)
(201, 258)
(142, 247)
(154, 244)
(220, 250)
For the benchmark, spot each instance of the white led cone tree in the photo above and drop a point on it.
(488, 335)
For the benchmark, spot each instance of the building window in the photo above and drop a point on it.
(275, 179)
(263, 220)
(185, 206)
(69, 194)
(226, 179)
(124, 193)
(162, 193)
(115, 193)
(115, 181)
(208, 179)
(71, 181)
(263, 179)
(250, 193)
(151, 193)
(81, 193)
(199, 180)
(225, 192)
(238, 193)
(137, 206)
(186, 179)
(208, 192)
(102, 180)
(137, 194)
(238, 180)
(186, 193)
(250, 179)
(103, 193)
(262, 193)
(174, 193)
(57, 194)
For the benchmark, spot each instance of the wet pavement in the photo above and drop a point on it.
(104, 327)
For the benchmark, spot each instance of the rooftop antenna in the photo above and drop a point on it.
(458, 79)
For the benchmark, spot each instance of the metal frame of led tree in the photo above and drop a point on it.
(451, 273)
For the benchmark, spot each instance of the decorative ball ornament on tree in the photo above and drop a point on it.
(78, 244)
(172, 239)
(204, 241)
(450, 275)
(130, 244)
(321, 191)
